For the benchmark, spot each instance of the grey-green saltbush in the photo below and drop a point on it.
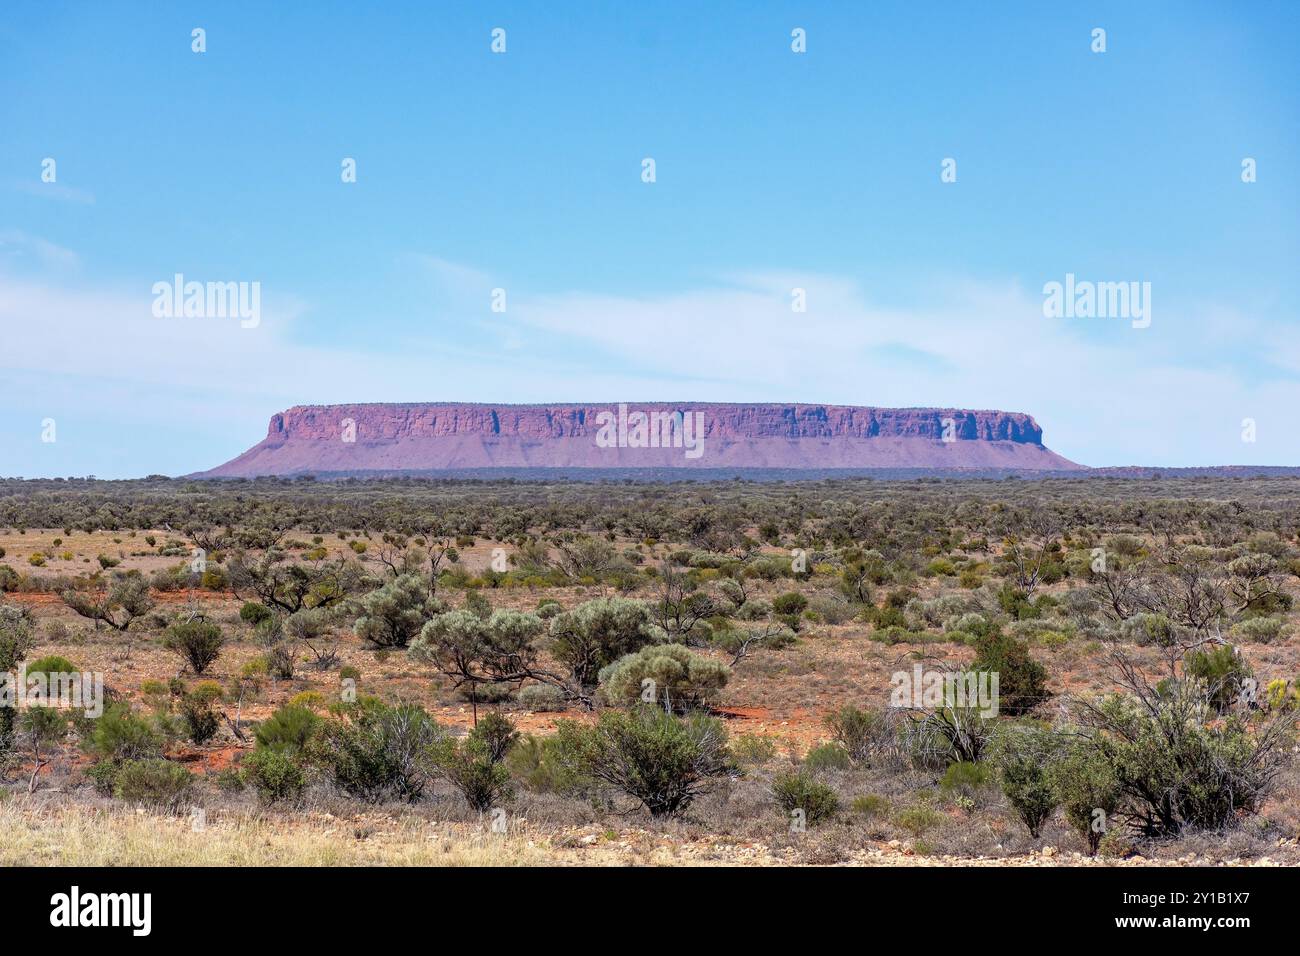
(542, 698)
(670, 674)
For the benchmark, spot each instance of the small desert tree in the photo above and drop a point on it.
(681, 606)
(126, 599)
(394, 614)
(290, 586)
(582, 556)
(472, 650)
(740, 642)
(1187, 751)
(597, 633)
(39, 731)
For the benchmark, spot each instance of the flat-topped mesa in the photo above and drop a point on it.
(457, 436)
(383, 422)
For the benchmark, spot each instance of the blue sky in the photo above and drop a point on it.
(522, 171)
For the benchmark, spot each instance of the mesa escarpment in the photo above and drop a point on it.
(455, 436)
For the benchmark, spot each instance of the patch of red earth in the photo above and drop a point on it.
(799, 727)
(207, 761)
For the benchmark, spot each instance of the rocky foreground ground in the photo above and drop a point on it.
(41, 832)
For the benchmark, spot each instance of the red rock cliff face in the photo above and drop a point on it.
(340, 439)
(725, 422)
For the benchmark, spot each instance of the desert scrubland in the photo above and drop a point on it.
(427, 672)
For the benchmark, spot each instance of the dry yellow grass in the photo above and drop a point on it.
(80, 836)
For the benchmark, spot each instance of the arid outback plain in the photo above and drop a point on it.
(414, 671)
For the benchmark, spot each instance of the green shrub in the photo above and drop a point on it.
(662, 761)
(1261, 630)
(467, 767)
(886, 618)
(754, 749)
(971, 623)
(275, 774)
(474, 766)
(542, 698)
(201, 722)
(860, 732)
(539, 764)
(827, 756)
(1016, 603)
(1223, 672)
(1022, 681)
(597, 633)
(861, 572)
(792, 602)
(496, 734)
(799, 792)
(1177, 767)
(152, 781)
(871, 805)
(896, 634)
(119, 735)
(372, 751)
(676, 677)
(1025, 757)
(393, 615)
(254, 613)
(964, 779)
(102, 775)
(288, 729)
(942, 567)
(52, 664)
(918, 818)
(1089, 793)
(198, 642)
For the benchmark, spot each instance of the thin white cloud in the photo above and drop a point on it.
(18, 249)
(1114, 397)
